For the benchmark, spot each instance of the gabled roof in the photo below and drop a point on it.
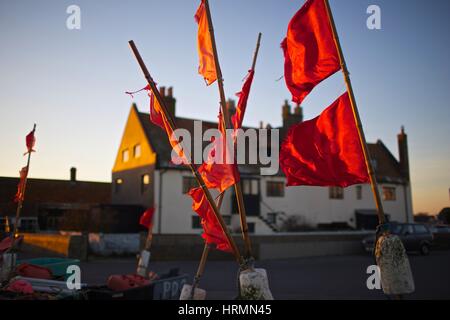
(387, 167)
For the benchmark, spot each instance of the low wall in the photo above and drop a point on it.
(104, 244)
(265, 247)
(64, 245)
(190, 247)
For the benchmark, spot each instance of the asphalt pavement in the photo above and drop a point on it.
(331, 277)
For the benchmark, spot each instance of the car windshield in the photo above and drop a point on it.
(396, 228)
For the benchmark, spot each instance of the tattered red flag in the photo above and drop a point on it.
(238, 117)
(207, 66)
(21, 186)
(213, 233)
(325, 151)
(30, 141)
(158, 118)
(309, 49)
(146, 219)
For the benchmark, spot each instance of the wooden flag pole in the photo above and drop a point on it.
(226, 117)
(193, 168)
(362, 138)
(20, 204)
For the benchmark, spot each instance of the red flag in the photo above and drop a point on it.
(213, 233)
(21, 186)
(309, 50)
(146, 219)
(30, 142)
(325, 151)
(158, 118)
(238, 117)
(207, 66)
(224, 174)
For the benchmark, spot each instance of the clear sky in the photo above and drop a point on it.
(72, 82)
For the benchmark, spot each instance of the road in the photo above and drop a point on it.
(332, 277)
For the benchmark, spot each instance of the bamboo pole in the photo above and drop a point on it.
(20, 204)
(362, 138)
(226, 117)
(193, 168)
(200, 270)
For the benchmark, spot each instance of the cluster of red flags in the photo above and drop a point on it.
(325, 151)
(222, 175)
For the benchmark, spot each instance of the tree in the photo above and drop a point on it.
(444, 215)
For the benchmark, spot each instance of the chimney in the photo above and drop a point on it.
(162, 91)
(403, 153)
(73, 175)
(231, 107)
(168, 99)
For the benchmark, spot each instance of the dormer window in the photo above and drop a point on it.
(125, 155)
(137, 151)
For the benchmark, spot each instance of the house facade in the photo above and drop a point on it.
(144, 175)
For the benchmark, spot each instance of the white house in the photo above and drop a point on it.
(143, 175)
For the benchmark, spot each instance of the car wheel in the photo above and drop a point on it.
(424, 249)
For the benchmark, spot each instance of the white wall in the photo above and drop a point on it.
(176, 207)
(312, 203)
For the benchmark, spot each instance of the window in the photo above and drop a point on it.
(250, 186)
(251, 227)
(137, 151)
(336, 193)
(389, 194)
(358, 192)
(117, 184)
(145, 182)
(227, 220)
(407, 229)
(196, 223)
(420, 228)
(275, 189)
(189, 183)
(125, 155)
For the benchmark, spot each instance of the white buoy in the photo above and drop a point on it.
(186, 293)
(395, 270)
(254, 285)
(144, 259)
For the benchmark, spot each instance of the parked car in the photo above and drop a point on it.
(441, 236)
(415, 237)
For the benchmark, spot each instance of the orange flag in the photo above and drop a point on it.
(207, 67)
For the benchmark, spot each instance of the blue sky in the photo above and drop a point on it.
(72, 82)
